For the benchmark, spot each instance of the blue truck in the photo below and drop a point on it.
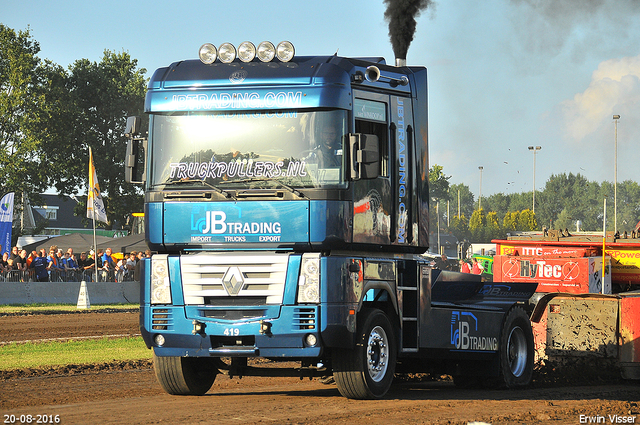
(286, 203)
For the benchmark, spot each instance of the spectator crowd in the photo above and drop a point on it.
(61, 266)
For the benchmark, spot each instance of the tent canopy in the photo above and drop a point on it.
(125, 244)
(78, 241)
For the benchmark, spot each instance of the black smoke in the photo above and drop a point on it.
(401, 15)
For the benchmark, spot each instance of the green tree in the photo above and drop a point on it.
(21, 72)
(564, 220)
(498, 202)
(493, 230)
(459, 226)
(477, 226)
(467, 202)
(510, 221)
(438, 183)
(527, 221)
(439, 193)
(100, 97)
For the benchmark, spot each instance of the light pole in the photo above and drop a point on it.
(535, 150)
(615, 177)
(480, 195)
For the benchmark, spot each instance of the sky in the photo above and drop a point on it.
(503, 74)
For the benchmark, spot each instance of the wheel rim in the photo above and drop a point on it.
(517, 351)
(377, 354)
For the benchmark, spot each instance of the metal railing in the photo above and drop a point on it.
(67, 276)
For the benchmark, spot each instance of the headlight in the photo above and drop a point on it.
(160, 283)
(309, 280)
(285, 51)
(247, 51)
(226, 53)
(266, 51)
(208, 53)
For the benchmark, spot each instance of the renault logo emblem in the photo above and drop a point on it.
(233, 280)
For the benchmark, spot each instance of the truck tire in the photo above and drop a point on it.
(185, 375)
(516, 350)
(366, 371)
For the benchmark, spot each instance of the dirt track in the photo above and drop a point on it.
(128, 392)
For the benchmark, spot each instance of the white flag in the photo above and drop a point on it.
(95, 206)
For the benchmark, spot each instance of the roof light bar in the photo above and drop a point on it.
(208, 53)
(247, 52)
(285, 51)
(266, 51)
(227, 53)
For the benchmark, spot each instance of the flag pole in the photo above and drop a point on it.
(95, 247)
(95, 207)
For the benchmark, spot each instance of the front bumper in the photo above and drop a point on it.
(286, 336)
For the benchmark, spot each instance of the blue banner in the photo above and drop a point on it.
(6, 221)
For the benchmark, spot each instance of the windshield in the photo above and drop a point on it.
(232, 150)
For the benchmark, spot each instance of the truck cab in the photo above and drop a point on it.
(286, 198)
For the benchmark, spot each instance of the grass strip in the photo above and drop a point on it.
(36, 355)
(44, 308)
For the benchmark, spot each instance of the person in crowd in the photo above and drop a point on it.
(53, 266)
(3, 262)
(130, 266)
(136, 270)
(10, 267)
(20, 264)
(103, 269)
(476, 267)
(464, 266)
(120, 269)
(14, 253)
(84, 262)
(30, 259)
(15, 264)
(442, 263)
(107, 260)
(60, 256)
(21, 261)
(86, 265)
(70, 267)
(39, 265)
(71, 256)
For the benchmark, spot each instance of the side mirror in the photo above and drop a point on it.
(134, 161)
(364, 156)
(133, 127)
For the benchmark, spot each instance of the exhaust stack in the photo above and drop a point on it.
(401, 16)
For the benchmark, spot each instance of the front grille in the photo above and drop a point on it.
(234, 301)
(252, 276)
(304, 319)
(233, 314)
(161, 319)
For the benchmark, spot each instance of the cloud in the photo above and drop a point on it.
(614, 89)
(579, 28)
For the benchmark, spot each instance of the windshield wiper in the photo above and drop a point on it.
(204, 183)
(286, 186)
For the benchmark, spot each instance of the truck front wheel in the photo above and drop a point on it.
(185, 375)
(366, 372)
(516, 349)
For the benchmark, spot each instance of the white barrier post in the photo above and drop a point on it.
(83, 296)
